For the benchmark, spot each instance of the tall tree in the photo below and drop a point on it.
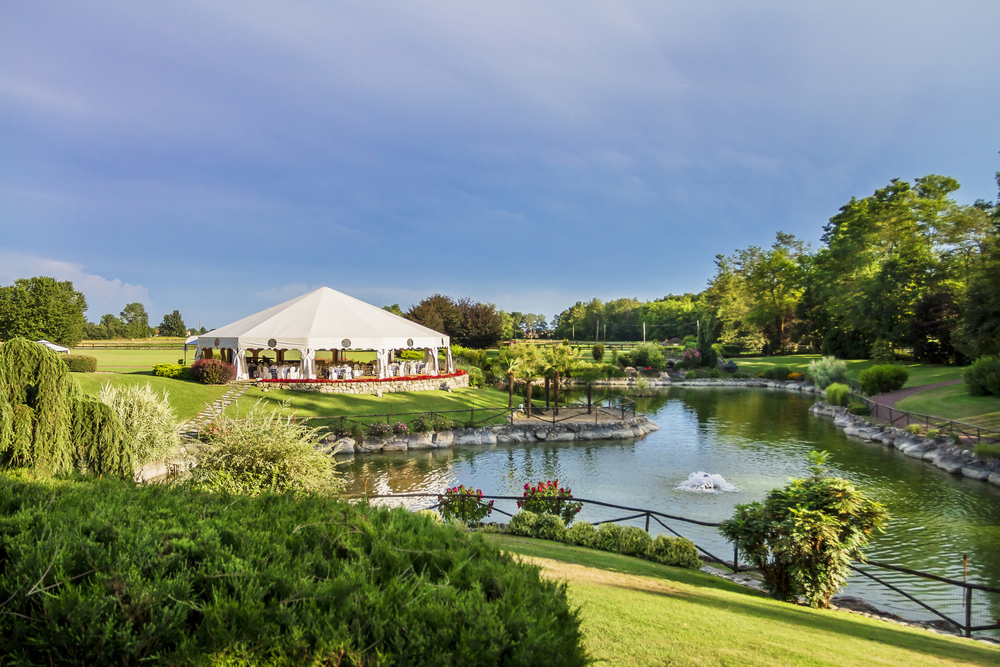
(135, 321)
(481, 325)
(173, 325)
(42, 307)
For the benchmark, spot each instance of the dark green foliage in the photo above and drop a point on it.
(80, 363)
(550, 498)
(168, 575)
(804, 536)
(173, 325)
(778, 373)
(983, 376)
(675, 551)
(845, 344)
(597, 352)
(861, 409)
(213, 371)
(135, 321)
(42, 307)
(103, 445)
(648, 355)
(883, 378)
(522, 523)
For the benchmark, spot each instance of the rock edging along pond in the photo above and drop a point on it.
(566, 431)
(707, 382)
(937, 451)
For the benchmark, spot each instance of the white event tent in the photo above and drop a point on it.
(323, 319)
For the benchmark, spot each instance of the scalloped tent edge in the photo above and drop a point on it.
(324, 319)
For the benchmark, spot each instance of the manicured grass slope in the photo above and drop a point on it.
(955, 402)
(187, 398)
(640, 613)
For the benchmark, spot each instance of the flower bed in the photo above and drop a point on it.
(401, 378)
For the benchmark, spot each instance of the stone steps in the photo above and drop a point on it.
(191, 428)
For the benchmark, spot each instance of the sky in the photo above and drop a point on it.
(221, 157)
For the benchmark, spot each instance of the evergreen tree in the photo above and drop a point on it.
(173, 325)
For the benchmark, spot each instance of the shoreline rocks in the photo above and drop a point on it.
(501, 434)
(940, 451)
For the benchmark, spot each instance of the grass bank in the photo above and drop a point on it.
(186, 398)
(920, 374)
(954, 402)
(641, 613)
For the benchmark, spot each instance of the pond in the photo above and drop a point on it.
(756, 439)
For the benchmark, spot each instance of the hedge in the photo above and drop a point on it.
(80, 363)
(171, 575)
(883, 379)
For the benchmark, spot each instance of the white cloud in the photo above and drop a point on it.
(103, 295)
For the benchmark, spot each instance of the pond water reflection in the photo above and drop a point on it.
(756, 439)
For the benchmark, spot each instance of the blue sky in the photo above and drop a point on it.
(220, 157)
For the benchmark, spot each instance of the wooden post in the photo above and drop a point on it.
(527, 398)
(546, 393)
(590, 393)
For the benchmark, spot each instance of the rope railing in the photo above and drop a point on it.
(972, 607)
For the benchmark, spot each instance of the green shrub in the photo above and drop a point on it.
(804, 536)
(410, 355)
(170, 370)
(914, 429)
(358, 434)
(676, 551)
(441, 423)
(828, 370)
(982, 376)
(523, 524)
(213, 371)
(987, 449)
(549, 527)
(79, 363)
(837, 394)
(597, 352)
(626, 540)
(264, 452)
(860, 409)
(648, 355)
(883, 378)
(933, 433)
(147, 418)
(581, 534)
(475, 377)
(778, 373)
(167, 575)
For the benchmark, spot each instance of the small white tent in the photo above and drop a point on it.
(324, 319)
(52, 346)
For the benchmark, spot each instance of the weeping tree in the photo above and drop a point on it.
(46, 423)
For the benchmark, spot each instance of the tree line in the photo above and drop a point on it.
(906, 266)
(46, 308)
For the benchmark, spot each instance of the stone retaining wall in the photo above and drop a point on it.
(492, 435)
(939, 451)
(377, 387)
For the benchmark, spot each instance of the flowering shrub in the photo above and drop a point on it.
(400, 428)
(213, 371)
(796, 377)
(379, 430)
(550, 498)
(690, 358)
(342, 432)
(465, 504)
(420, 425)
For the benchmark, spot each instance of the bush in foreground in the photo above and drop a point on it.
(167, 575)
(79, 363)
(883, 378)
(264, 452)
(983, 376)
(170, 370)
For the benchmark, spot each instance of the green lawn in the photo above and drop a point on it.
(954, 402)
(920, 374)
(316, 405)
(124, 361)
(640, 613)
(187, 398)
